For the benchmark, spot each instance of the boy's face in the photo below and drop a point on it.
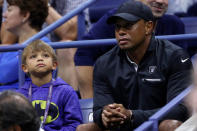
(39, 63)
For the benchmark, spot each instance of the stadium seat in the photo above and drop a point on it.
(190, 27)
(3, 88)
(190, 24)
(87, 109)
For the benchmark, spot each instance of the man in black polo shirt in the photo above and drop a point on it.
(140, 75)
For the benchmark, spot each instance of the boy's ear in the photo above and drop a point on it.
(24, 67)
(54, 65)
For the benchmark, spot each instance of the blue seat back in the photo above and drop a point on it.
(8, 87)
(191, 27)
(190, 24)
(87, 109)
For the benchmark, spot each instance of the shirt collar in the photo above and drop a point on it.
(152, 45)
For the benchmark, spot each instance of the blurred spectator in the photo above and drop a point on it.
(56, 102)
(24, 18)
(57, 8)
(192, 10)
(179, 6)
(17, 113)
(191, 99)
(1, 10)
(68, 31)
(6, 36)
(86, 57)
(139, 75)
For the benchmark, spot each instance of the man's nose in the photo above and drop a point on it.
(121, 31)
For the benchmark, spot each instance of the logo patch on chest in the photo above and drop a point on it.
(40, 106)
(152, 69)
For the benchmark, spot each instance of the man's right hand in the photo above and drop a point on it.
(112, 117)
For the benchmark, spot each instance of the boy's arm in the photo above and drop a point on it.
(72, 111)
(69, 111)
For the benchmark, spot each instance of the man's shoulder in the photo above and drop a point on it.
(169, 48)
(167, 45)
(113, 53)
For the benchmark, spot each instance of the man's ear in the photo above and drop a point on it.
(24, 67)
(54, 65)
(149, 27)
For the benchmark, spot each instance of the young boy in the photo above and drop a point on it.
(55, 101)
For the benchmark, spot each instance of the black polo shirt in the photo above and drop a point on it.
(163, 73)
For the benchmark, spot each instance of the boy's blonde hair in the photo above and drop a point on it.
(37, 46)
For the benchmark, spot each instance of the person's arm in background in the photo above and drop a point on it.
(86, 57)
(6, 36)
(66, 32)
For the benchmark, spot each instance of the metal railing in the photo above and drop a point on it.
(92, 43)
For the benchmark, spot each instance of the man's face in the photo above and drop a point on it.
(158, 7)
(130, 35)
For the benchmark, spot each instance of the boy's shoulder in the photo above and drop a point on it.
(59, 83)
(62, 88)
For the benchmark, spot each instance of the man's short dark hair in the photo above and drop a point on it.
(15, 109)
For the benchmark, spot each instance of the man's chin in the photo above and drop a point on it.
(123, 48)
(158, 15)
